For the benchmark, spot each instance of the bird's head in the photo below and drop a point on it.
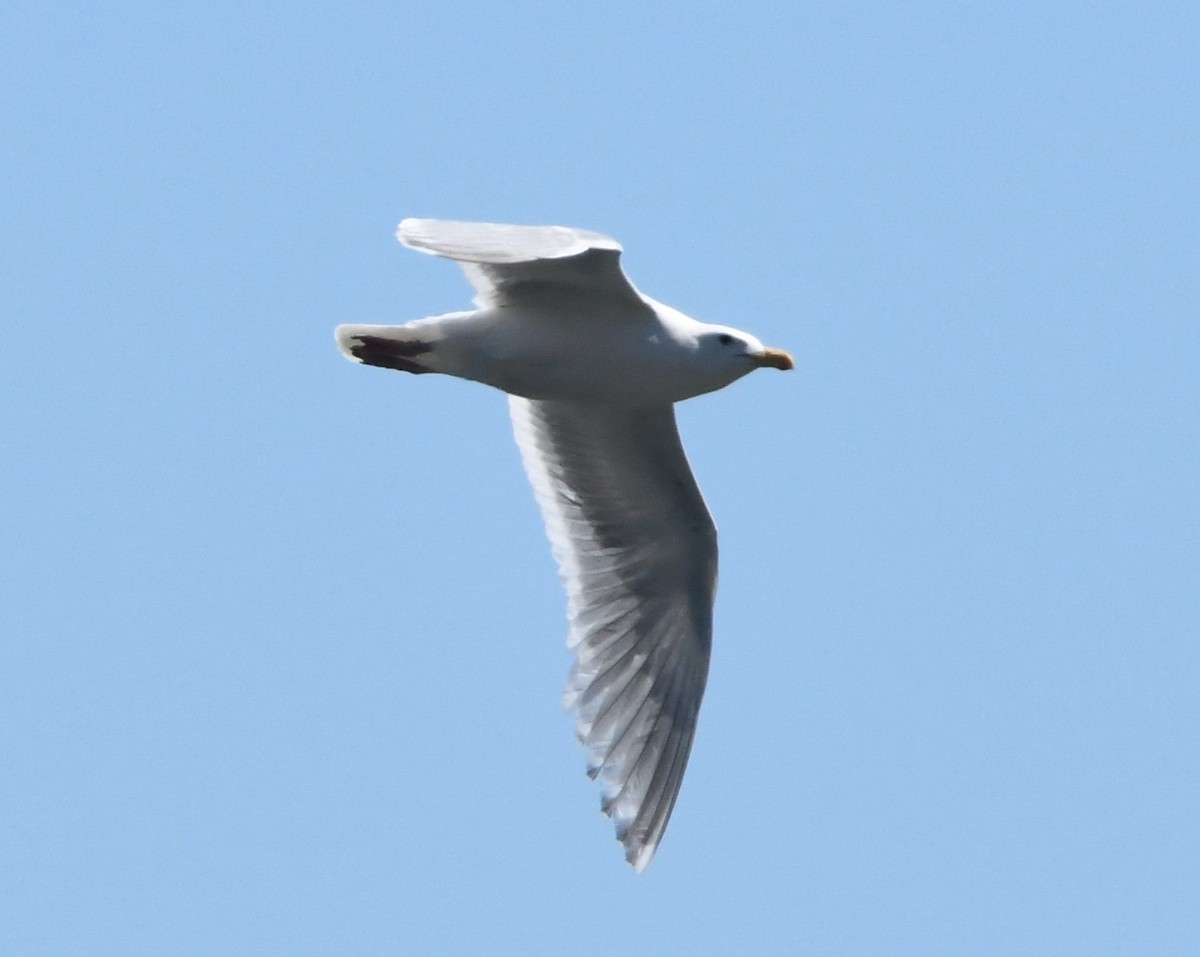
(739, 353)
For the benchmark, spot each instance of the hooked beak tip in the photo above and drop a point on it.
(775, 359)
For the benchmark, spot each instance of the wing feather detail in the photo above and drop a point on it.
(637, 552)
(519, 265)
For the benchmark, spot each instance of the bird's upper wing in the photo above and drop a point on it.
(637, 552)
(512, 265)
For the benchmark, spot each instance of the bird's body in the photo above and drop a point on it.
(586, 355)
(582, 351)
(593, 368)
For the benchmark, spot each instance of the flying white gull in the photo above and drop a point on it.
(592, 368)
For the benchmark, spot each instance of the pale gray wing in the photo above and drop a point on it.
(512, 265)
(637, 552)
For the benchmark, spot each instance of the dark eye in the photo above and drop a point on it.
(724, 338)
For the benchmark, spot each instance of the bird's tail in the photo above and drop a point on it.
(412, 347)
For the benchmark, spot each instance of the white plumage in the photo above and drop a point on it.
(593, 368)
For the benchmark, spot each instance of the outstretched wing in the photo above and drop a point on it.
(513, 265)
(637, 552)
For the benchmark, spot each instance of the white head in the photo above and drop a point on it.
(716, 355)
(731, 353)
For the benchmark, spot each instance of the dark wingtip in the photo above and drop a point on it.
(388, 353)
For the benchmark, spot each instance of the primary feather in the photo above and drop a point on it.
(637, 552)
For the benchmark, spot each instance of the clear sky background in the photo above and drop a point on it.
(282, 641)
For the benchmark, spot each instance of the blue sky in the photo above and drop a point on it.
(283, 639)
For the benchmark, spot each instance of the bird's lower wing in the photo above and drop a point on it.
(636, 549)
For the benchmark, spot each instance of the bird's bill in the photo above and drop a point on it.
(775, 358)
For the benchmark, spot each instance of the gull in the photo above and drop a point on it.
(593, 368)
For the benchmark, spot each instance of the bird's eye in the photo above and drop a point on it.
(724, 338)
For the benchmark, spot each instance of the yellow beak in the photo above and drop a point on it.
(775, 358)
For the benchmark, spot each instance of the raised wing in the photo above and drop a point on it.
(513, 265)
(637, 552)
